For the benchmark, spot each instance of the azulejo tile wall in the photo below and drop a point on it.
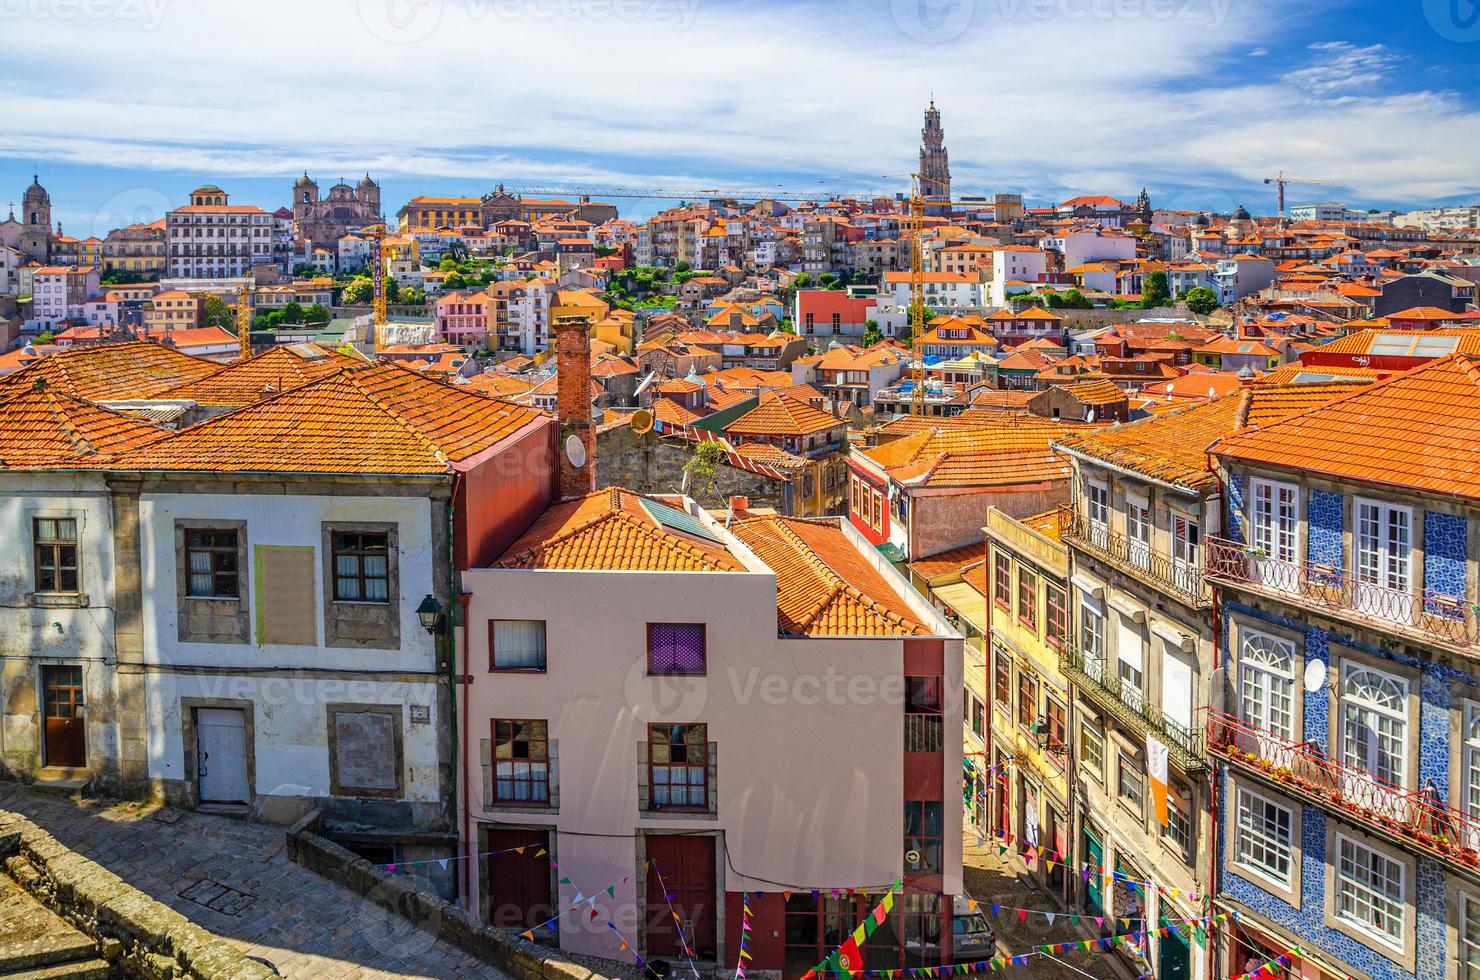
(1325, 515)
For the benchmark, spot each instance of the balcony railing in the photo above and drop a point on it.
(1419, 820)
(1097, 678)
(1424, 614)
(1181, 578)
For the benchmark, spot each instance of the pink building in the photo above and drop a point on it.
(464, 319)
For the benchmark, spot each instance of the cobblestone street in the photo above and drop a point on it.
(993, 880)
(233, 878)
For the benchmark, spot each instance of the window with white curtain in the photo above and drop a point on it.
(517, 644)
(1374, 723)
(1266, 680)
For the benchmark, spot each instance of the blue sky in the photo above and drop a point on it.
(124, 105)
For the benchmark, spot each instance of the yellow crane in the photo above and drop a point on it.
(378, 318)
(244, 319)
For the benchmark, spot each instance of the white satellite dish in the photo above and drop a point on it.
(1089, 414)
(1315, 675)
(575, 451)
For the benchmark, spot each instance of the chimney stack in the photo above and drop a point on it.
(573, 403)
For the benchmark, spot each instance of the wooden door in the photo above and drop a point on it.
(518, 885)
(681, 867)
(66, 734)
(221, 755)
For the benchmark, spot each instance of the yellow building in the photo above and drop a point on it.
(618, 328)
(1028, 620)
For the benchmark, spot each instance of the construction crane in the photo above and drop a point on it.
(379, 317)
(244, 319)
(596, 193)
(1280, 180)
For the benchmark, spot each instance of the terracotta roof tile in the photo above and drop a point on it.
(379, 419)
(824, 586)
(947, 562)
(275, 369)
(1419, 429)
(111, 371)
(615, 530)
(783, 415)
(45, 428)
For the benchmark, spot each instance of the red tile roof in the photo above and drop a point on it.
(136, 369)
(45, 429)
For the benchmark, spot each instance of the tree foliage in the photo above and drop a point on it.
(1201, 300)
(215, 313)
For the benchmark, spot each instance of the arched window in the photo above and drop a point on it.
(1374, 723)
(1266, 683)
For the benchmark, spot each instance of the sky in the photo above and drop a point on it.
(122, 106)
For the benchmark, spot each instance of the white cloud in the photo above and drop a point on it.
(582, 91)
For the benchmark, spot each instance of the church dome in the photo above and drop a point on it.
(304, 181)
(1240, 214)
(367, 182)
(1201, 221)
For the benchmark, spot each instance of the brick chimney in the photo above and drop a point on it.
(573, 402)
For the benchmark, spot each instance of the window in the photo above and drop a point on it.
(1027, 712)
(1266, 682)
(1469, 938)
(1002, 680)
(1130, 782)
(1374, 723)
(1178, 829)
(678, 772)
(923, 822)
(1027, 602)
(1092, 751)
(1186, 552)
(1002, 580)
(56, 554)
(1369, 891)
(1138, 530)
(1275, 520)
(1384, 558)
(978, 717)
(1091, 633)
(1264, 837)
(924, 728)
(1058, 731)
(516, 644)
(361, 569)
(1470, 764)
(521, 758)
(211, 556)
(676, 648)
(1099, 506)
(1056, 622)
(922, 925)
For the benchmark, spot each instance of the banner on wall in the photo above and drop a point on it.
(1156, 770)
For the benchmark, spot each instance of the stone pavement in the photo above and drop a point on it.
(994, 880)
(233, 878)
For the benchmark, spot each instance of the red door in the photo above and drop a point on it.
(66, 738)
(518, 886)
(681, 867)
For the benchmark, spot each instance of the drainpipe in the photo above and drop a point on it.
(467, 806)
(451, 647)
(1213, 826)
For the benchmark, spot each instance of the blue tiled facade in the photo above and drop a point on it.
(1444, 570)
(1325, 529)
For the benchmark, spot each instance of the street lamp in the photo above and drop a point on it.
(430, 613)
(1041, 734)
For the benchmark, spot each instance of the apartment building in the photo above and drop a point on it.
(1346, 721)
(61, 292)
(210, 238)
(1141, 656)
(172, 310)
(138, 248)
(465, 319)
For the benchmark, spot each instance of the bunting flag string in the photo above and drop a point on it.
(1271, 969)
(847, 958)
(1001, 962)
(1049, 857)
(683, 940)
(744, 935)
(391, 866)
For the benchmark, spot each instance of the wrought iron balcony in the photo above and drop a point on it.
(1422, 615)
(1096, 677)
(1417, 820)
(1183, 580)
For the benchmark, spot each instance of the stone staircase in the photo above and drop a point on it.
(37, 944)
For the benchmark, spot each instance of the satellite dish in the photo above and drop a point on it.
(642, 421)
(1315, 675)
(1089, 414)
(575, 451)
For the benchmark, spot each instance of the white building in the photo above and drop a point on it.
(210, 238)
(1464, 218)
(1015, 269)
(10, 264)
(1079, 247)
(681, 711)
(60, 292)
(1241, 275)
(354, 253)
(946, 293)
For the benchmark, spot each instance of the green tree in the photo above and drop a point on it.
(292, 312)
(802, 281)
(681, 266)
(392, 289)
(215, 313)
(1075, 300)
(45, 337)
(701, 472)
(275, 318)
(871, 333)
(1201, 300)
(786, 326)
(455, 280)
(359, 292)
(916, 309)
(448, 264)
(317, 313)
(1155, 291)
